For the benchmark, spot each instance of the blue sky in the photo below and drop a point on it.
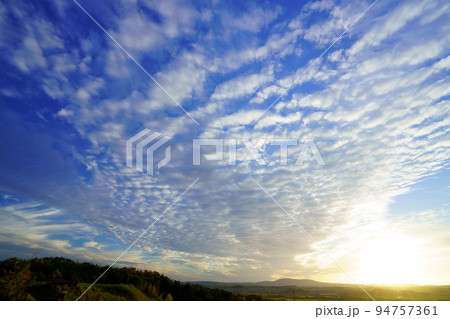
(375, 104)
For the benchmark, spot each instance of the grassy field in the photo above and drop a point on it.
(347, 292)
(107, 292)
(99, 292)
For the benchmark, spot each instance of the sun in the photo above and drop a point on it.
(390, 261)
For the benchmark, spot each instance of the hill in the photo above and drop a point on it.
(46, 278)
(277, 283)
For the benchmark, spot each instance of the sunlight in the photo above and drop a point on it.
(390, 260)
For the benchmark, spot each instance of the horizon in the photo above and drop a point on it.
(229, 141)
(247, 282)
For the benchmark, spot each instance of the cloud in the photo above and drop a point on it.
(340, 18)
(92, 244)
(241, 86)
(251, 21)
(139, 33)
(411, 56)
(30, 56)
(276, 119)
(391, 23)
(64, 112)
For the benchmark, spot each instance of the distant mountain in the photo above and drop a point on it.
(277, 283)
(296, 282)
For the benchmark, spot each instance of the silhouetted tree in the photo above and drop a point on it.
(15, 278)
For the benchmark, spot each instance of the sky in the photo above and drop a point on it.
(367, 83)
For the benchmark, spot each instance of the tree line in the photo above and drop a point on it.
(22, 279)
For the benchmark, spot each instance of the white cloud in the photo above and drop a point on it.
(242, 85)
(139, 33)
(84, 94)
(251, 21)
(275, 119)
(242, 117)
(118, 64)
(30, 56)
(321, 5)
(411, 56)
(339, 20)
(392, 22)
(92, 244)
